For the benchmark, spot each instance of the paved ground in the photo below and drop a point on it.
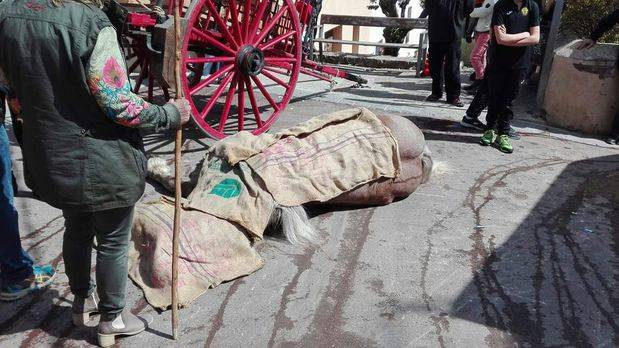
(497, 250)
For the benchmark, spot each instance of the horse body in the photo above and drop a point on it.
(292, 222)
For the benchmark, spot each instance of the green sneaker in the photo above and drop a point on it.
(488, 137)
(502, 142)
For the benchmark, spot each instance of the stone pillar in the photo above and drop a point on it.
(583, 88)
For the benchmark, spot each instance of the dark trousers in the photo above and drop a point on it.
(503, 88)
(615, 130)
(444, 60)
(15, 263)
(480, 102)
(112, 228)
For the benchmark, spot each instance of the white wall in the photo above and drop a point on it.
(360, 8)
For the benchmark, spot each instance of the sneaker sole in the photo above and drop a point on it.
(470, 126)
(108, 340)
(82, 319)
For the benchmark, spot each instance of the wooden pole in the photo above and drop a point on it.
(549, 53)
(177, 169)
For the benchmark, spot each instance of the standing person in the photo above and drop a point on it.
(18, 274)
(445, 30)
(478, 57)
(602, 27)
(477, 106)
(82, 145)
(515, 27)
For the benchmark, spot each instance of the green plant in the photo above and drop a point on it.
(581, 17)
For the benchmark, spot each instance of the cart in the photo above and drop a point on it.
(241, 59)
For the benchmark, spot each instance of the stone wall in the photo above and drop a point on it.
(583, 88)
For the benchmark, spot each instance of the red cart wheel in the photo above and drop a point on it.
(253, 49)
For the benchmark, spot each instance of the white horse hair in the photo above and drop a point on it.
(161, 171)
(294, 225)
(427, 164)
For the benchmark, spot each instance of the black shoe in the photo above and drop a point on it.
(613, 140)
(512, 134)
(472, 86)
(472, 92)
(472, 123)
(456, 102)
(433, 98)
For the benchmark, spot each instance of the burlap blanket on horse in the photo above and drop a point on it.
(244, 177)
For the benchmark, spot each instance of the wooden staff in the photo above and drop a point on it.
(177, 170)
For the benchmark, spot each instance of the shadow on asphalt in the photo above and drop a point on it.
(554, 282)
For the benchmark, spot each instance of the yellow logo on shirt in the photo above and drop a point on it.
(525, 11)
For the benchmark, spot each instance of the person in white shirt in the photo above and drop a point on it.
(478, 57)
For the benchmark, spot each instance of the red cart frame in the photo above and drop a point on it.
(241, 59)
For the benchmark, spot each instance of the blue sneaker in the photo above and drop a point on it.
(42, 277)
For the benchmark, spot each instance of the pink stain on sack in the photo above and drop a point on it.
(113, 74)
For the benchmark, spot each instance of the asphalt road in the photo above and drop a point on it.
(496, 250)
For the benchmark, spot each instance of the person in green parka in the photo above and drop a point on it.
(81, 142)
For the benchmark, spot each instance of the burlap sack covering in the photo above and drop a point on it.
(315, 161)
(212, 251)
(243, 179)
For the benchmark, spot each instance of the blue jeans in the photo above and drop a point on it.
(15, 263)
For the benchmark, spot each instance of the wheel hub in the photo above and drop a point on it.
(250, 60)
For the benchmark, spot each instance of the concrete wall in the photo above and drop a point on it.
(583, 88)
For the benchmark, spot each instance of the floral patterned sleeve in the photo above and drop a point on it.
(109, 84)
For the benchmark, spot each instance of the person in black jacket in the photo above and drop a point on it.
(446, 29)
(602, 27)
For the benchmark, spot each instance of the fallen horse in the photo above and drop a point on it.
(246, 185)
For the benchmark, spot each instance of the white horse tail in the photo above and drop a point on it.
(161, 171)
(427, 164)
(294, 224)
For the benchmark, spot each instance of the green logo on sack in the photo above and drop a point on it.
(228, 188)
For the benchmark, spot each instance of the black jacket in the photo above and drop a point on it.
(447, 19)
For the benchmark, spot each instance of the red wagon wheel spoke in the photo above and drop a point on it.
(259, 16)
(241, 89)
(209, 60)
(210, 79)
(248, 42)
(275, 79)
(246, 19)
(223, 27)
(265, 93)
(280, 60)
(252, 100)
(234, 18)
(140, 79)
(216, 95)
(265, 46)
(279, 70)
(228, 104)
(213, 42)
(133, 66)
(266, 29)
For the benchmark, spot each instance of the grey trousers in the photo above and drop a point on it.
(112, 228)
